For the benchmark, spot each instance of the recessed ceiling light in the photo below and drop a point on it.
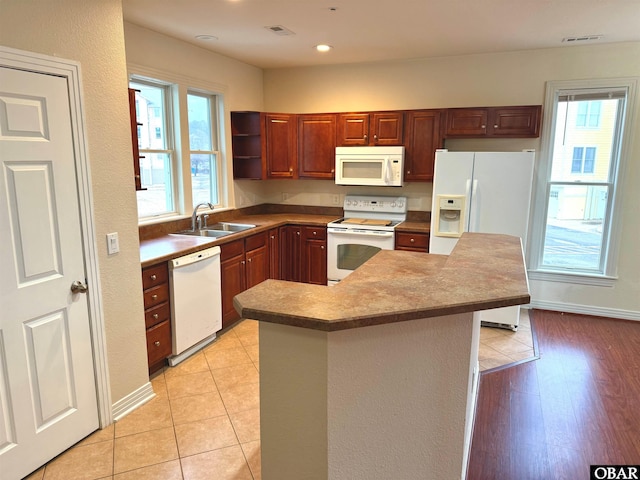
(323, 48)
(206, 37)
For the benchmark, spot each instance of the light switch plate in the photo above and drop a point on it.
(113, 245)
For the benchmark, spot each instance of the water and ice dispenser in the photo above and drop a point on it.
(449, 215)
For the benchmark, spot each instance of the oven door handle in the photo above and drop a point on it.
(339, 231)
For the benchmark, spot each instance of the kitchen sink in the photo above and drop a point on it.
(230, 227)
(217, 230)
(205, 232)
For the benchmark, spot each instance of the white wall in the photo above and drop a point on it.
(92, 34)
(516, 78)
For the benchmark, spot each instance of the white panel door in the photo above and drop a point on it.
(47, 381)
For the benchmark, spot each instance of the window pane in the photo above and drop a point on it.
(574, 232)
(589, 159)
(199, 123)
(155, 174)
(568, 137)
(203, 175)
(576, 163)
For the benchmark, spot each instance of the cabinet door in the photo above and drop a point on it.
(423, 138)
(515, 121)
(232, 276)
(274, 253)
(257, 266)
(386, 128)
(314, 255)
(466, 122)
(290, 253)
(280, 142)
(353, 129)
(316, 146)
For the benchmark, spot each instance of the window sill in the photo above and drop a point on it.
(576, 278)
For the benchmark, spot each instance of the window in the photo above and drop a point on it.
(588, 114)
(203, 148)
(575, 223)
(583, 159)
(181, 162)
(157, 157)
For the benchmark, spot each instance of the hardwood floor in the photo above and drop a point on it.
(575, 406)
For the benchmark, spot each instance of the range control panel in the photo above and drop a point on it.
(380, 204)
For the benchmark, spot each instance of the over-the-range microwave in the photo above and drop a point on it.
(371, 166)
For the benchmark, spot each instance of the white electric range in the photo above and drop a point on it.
(367, 227)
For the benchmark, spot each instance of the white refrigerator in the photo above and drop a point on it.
(487, 192)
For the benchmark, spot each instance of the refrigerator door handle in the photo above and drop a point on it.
(475, 207)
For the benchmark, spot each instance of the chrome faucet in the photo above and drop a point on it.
(194, 215)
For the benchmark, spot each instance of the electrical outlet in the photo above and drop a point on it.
(113, 244)
(285, 196)
(335, 199)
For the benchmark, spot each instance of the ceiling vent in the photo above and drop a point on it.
(280, 30)
(582, 38)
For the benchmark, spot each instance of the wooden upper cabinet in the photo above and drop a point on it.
(280, 144)
(423, 138)
(386, 128)
(316, 146)
(376, 128)
(497, 122)
(516, 121)
(246, 145)
(134, 139)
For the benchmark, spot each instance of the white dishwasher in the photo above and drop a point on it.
(196, 302)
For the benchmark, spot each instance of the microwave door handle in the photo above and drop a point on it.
(387, 171)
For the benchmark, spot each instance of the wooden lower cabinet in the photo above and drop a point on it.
(303, 254)
(290, 253)
(412, 241)
(157, 314)
(314, 255)
(243, 264)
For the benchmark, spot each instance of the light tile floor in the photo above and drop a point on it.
(204, 422)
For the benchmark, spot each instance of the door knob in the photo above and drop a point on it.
(79, 287)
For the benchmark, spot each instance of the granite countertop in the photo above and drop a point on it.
(484, 271)
(167, 247)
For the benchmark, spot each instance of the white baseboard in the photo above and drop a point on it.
(586, 310)
(132, 401)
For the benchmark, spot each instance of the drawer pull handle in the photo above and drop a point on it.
(156, 343)
(154, 296)
(154, 277)
(412, 240)
(155, 316)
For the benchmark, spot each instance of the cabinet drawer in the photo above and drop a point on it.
(319, 233)
(156, 295)
(419, 241)
(155, 275)
(255, 241)
(155, 315)
(230, 250)
(159, 342)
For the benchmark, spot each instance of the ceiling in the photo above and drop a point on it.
(383, 30)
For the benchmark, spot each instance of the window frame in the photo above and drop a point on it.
(613, 215)
(170, 140)
(180, 85)
(214, 101)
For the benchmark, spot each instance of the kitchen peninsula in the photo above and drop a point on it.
(376, 377)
